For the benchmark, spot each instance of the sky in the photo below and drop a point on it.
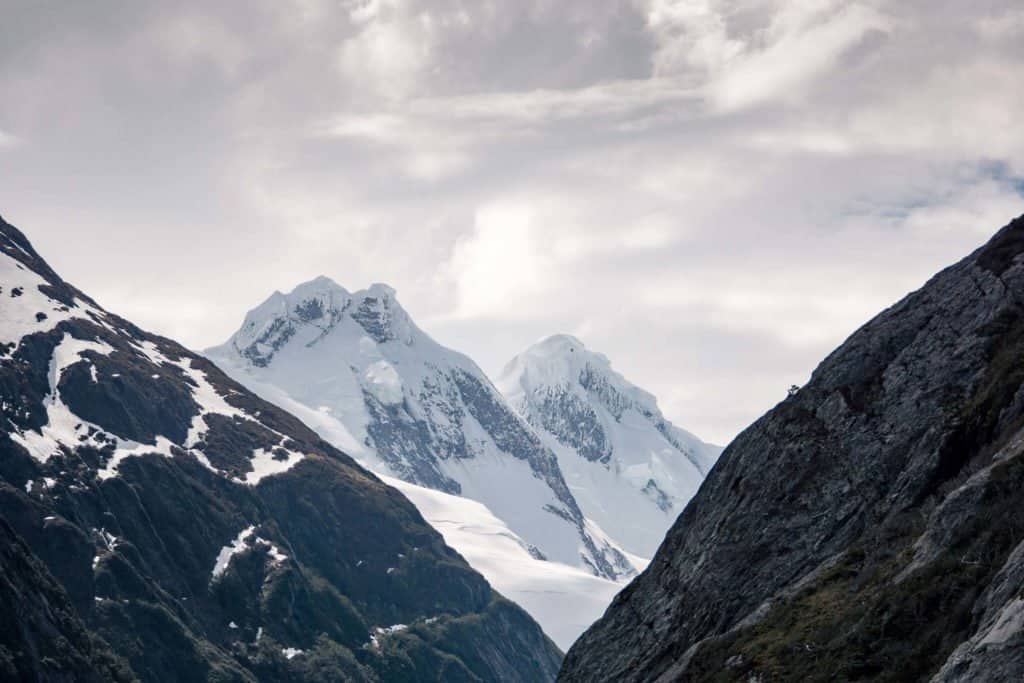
(712, 193)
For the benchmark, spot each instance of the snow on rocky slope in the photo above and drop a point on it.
(630, 469)
(159, 522)
(377, 386)
(564, 600)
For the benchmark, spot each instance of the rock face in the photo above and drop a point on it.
(630, 469)
(158, 521)
(869, 527)
(410, 408)
(41, 636)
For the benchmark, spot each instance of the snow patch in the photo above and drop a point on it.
(128, 449)
(211, 402)
(630, 470)
(246, 539)
(268, 463)
(383, 382)
(64, 427)
(227, 552)
(19, 315)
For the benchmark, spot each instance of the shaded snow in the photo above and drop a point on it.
(64, 427)
(317, 353)
(18, 314)
(382, 381)
(564, 600)
(246, 539)
(230, 550)
(268, 463)
(648, 469)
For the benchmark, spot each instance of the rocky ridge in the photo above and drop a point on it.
(161, 522)
(868, 527)
(630, 468)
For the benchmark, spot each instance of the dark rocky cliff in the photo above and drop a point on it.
(160, 522)
(869, 527)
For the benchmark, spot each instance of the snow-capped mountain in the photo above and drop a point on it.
(159, 522)
(410, 408)
(630, 469)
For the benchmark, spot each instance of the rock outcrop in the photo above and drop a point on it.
(869, 527)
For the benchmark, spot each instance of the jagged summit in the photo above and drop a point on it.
(312, 310)
(563, 360)
(630, 468)
(413, 409)
(554, 360)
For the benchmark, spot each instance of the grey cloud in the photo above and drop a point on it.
(519, 169)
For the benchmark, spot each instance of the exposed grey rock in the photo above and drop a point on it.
(867, 527)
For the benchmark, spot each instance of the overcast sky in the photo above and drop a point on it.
(714, 193)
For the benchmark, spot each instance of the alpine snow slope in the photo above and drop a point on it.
(631, 470)
(414, 410)
(565, 600)
(159, 522)
(869, 527)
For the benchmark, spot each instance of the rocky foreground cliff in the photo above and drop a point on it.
(869, 527)
(158, 522)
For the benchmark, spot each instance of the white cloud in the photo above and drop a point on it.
(691, 34)
(712, 192)
(391, 51)
(1005, 25)
(501, 264)
(801, 46)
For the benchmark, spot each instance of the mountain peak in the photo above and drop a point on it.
(320, 282)
(379, 290)
(611, 439)
(560, 360)
(560, 341)
(312, 310)
(418, 411)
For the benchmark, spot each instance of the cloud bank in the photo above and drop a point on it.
(713, 193)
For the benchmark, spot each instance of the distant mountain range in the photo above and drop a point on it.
(358, 370)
